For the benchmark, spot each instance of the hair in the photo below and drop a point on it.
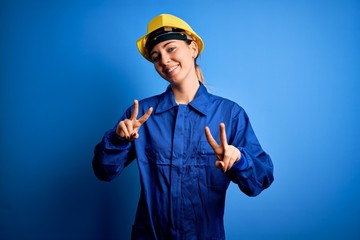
(198, 71)
(199, 74)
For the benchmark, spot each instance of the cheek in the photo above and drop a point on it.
(157, 68)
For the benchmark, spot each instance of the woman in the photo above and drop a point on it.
(184, 169)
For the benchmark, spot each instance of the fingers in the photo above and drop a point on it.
(135, 111)
(146, 116)
(231, 155)
(226, 154)
(219, 165)
(129, 128)
(210, 138)
(223, 140)
(122, 131)
(217, 149)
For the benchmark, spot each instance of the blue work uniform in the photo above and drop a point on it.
(182, 192)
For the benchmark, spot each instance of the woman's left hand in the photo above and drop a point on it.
(226, 155)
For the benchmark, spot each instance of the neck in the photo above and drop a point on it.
(185, 93)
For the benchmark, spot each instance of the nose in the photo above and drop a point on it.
(165, 59)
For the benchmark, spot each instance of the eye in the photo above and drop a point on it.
(155, 57)
(171, 49)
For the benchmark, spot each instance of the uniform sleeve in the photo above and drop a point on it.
(254, 171)
(112, 155)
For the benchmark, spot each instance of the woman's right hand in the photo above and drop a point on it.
(129, 128)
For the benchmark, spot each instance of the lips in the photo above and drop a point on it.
(171, 69)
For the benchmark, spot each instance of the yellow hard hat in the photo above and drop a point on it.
(170, 23)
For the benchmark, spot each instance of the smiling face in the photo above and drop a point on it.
(174, 60)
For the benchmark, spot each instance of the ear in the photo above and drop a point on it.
(194, 49)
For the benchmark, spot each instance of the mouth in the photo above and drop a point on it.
(170, 70)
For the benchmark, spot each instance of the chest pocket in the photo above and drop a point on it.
(206, 160)
(204, 149)
(158, 154)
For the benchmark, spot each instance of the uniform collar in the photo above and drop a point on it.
(199, 103)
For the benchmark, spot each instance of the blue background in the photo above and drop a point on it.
(70, 68)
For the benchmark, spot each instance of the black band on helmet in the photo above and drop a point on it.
(164, 36)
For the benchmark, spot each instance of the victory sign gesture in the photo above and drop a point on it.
(129, 128)
(226, 155)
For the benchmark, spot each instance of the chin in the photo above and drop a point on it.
(175, 81)
(171, 79)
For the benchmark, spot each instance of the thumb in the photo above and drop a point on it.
(219, 164)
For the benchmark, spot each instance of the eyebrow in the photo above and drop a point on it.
(152, 52)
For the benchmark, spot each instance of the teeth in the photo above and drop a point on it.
(172, 69)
